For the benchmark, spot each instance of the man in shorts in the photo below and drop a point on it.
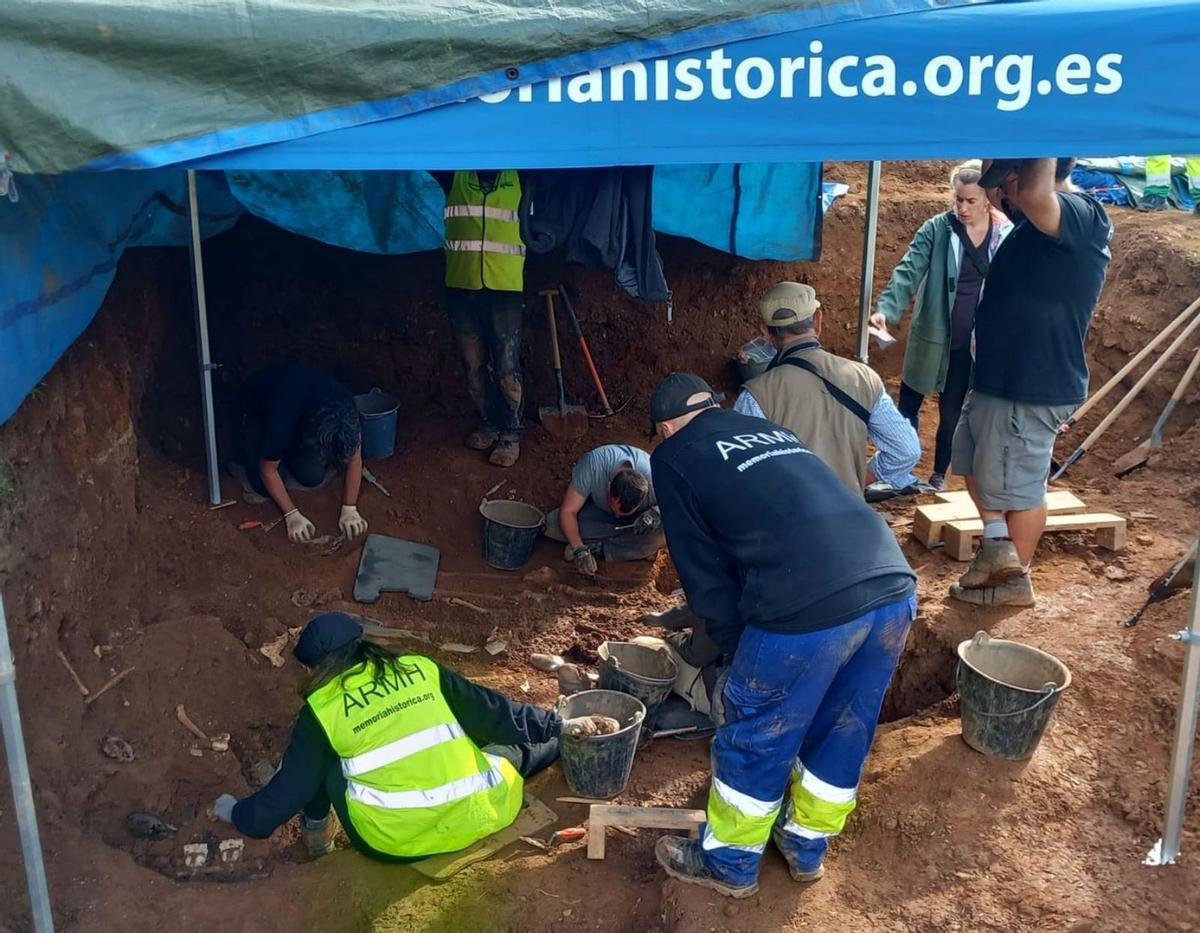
(1030, 366)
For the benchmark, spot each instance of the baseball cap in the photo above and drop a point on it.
(996, 172)
(788, 303)
(670, 399)
(324, 634)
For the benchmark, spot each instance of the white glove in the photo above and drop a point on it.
(585, 727)
(299, 528)
(351, 523)
(223, 807)
(878, 320)
(584, 560)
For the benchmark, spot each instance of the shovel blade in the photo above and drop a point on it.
(565, 424)
(1131, 460)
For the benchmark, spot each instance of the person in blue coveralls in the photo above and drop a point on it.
(804, 587)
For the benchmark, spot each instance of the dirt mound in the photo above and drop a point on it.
(109, 554)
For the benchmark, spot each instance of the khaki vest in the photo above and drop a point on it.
(798, 400)
(416, 784)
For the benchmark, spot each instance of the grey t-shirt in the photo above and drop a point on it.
(595, 470)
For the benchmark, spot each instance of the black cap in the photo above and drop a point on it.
(996, 172)
(670, 399)
(324, 634)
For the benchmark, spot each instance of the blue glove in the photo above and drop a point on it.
(223, 808)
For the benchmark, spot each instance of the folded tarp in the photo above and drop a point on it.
(62, 240)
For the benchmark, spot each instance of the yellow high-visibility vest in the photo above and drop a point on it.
(416, 785)
(483, 234)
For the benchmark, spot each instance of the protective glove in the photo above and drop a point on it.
(299, 528)
(223, 807)
(878, 320)
(351, 523)
(584, 561)
(648, 522)
(584, 727)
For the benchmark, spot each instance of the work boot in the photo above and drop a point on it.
(680, 858)
(802, 875)
(319, 834)
(1152, 203)
(995, 562)
(482, 439)
(505, 453)
(937, 481)
(1015, 592)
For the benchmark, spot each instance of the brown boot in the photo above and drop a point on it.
(1017, 591)
(319, 835)
(505, 453)
(481, 439)
(995, 562)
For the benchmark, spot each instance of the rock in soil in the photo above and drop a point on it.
(117, 748)
(146, 825)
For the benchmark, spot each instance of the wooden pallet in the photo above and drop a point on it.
(929, 520)
(1110, 531)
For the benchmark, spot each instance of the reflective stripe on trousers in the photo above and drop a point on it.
(817, 809)
(401, 748)
(737, 820)
(431, 797)
(484, 246)
(477, 210)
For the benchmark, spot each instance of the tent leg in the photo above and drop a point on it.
(874, 171)
(22, 788)
(1166, 850)
(206, 364)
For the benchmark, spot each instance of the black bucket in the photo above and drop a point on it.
(599, 767)
(642, 672)
(1009, 692)
(510, 529)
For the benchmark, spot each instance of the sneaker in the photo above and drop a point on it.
(1015, 592)
(319, 834)
(995, 562)
(1152, 203)
(505, 453)
(482, 439)
(937, 481)
(802, 875)
(680, 858)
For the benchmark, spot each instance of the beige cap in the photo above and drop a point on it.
(788, 303)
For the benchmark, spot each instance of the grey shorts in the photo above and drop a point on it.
(1007, 447)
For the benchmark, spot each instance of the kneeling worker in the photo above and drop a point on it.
(414, 759)
(834, 405)
(608, 509)
(299, 422)
(803, 585)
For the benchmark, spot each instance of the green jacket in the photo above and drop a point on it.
(934, 256)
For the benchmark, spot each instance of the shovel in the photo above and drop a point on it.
(1142, 453)
(562, 422)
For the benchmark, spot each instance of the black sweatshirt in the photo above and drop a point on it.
(488, 717)
(763, 533)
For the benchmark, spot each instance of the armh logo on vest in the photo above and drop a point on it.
(399, 677)
(761, 439)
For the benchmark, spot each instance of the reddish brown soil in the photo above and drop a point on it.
(108, 553)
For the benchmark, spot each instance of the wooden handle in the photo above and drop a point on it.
(1132, 364)
(1186, 378)
(1139, 385)
(553, 329)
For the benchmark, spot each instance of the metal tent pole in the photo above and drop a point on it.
(874, 171)
(206, 364)
(1166, 850)
(22, 789)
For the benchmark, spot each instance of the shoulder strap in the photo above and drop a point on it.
(855, 409)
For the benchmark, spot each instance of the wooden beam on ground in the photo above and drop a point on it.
(929, 520)
(1110, 531)
(604, 815)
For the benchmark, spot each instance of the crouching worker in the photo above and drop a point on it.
(414, 759)
(298, 422)
(804, 588)
(608, 509)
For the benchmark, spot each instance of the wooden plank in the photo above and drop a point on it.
(1110, 531)
(929, 520)
(952, 495)
(603, 815)
(533, 817)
